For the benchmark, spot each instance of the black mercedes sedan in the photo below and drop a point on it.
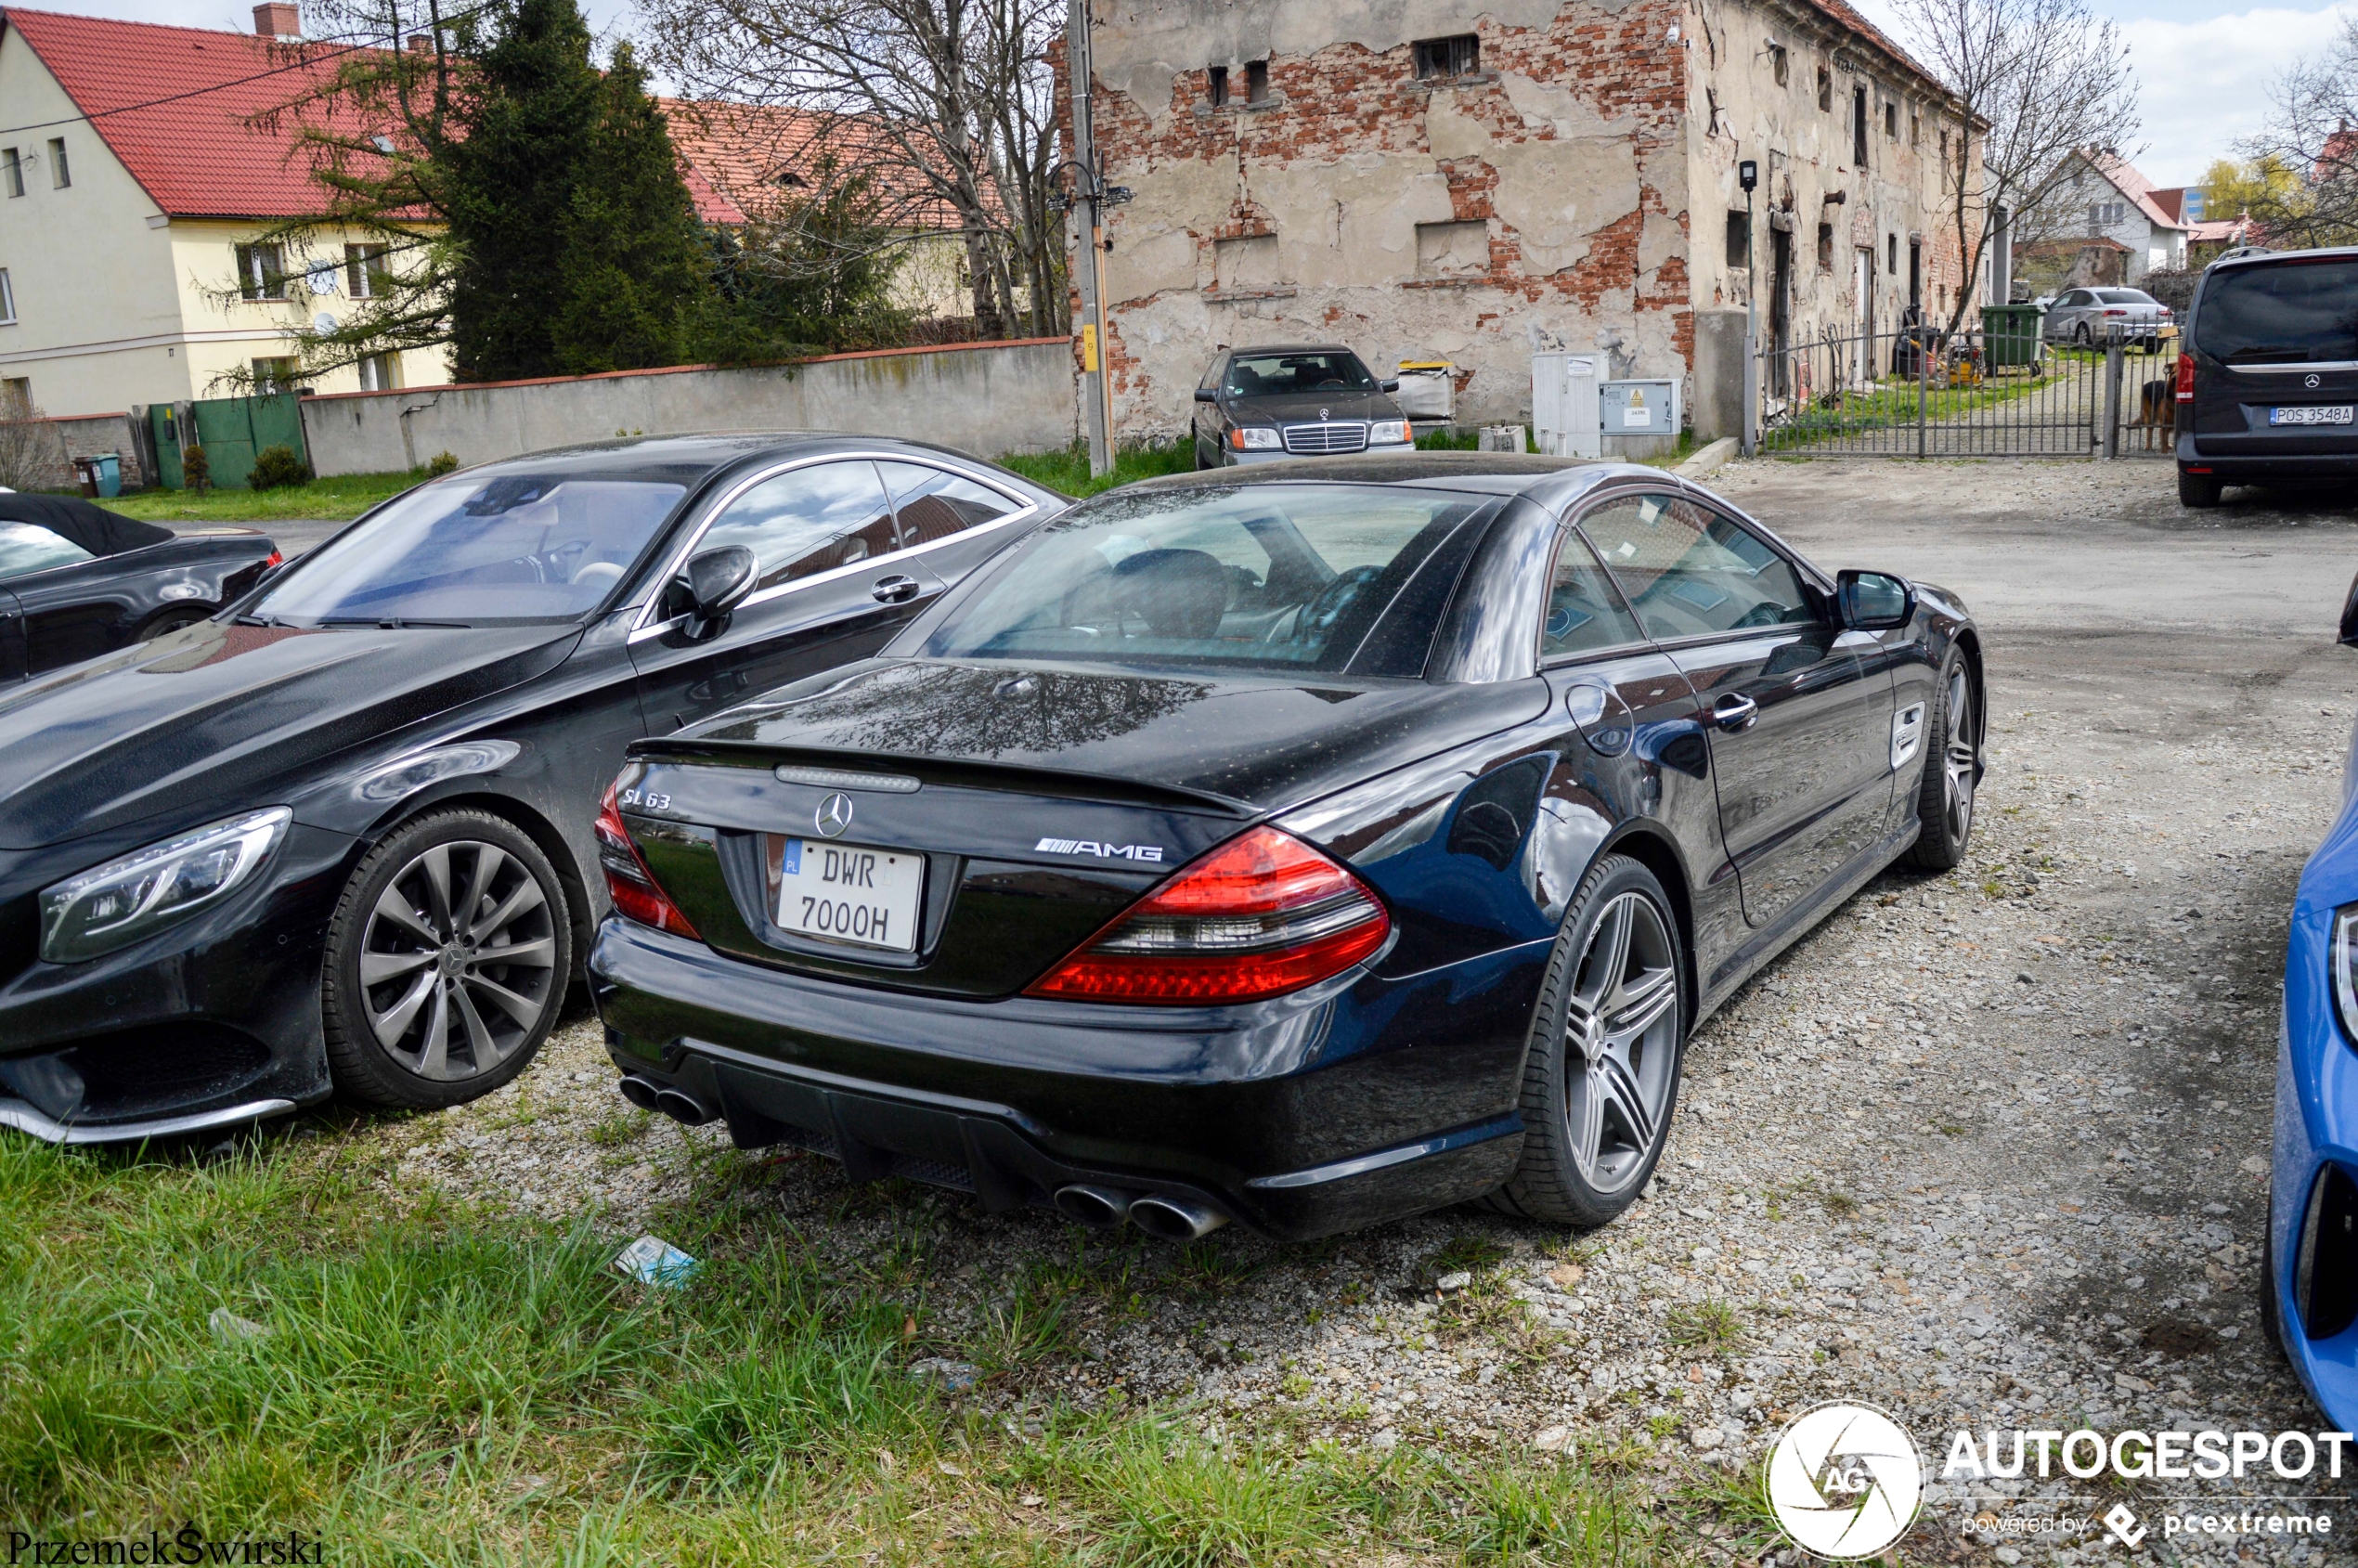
(1302, 848)
(1264, 405)
(77, 580)
(340, 835)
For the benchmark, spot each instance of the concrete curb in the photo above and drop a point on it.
(1706, 461)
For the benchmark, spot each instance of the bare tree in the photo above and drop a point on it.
(2036, 82)
(2311, 148)
(32, 453)
(948, 105)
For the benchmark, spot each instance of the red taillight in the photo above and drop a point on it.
(629, 882)
(1263, 915)
(275, 560)
(2116, 313)
(2185, 377)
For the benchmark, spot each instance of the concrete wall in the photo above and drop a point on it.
(49, 446)
(983, 398)
(1538, 202)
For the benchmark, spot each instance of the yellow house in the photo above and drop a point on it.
(133, 196)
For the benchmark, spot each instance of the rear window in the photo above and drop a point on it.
(1271, 576)
(2123, 296)
(28, 547)
(2282, 314)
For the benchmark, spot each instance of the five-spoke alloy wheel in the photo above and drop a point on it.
(1952, 768)
(1601, 1076)
(448, 961)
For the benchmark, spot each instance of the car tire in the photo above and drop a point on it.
(2199, 490)
(165, 621)
(1600, 1075)
(2082, 337)
(446, 965)
(1951, 768)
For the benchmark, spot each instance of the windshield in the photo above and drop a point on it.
(1283, 375)
(2282, 314)
(28, 547)
(1272, 576)
(469, 550)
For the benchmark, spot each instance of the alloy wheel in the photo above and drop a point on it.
(1957, 760)
(1621, 1038)
(457, 960)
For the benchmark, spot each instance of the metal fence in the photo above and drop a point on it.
(1921, 392)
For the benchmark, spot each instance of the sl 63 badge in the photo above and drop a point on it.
(647, 798)
(1103, 852)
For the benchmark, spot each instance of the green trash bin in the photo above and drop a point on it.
(2010, 334)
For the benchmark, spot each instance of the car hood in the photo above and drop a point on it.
(219, 716)
(1313, 406)
(1269, 741)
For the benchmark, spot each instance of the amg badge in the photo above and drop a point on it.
(1103, 852)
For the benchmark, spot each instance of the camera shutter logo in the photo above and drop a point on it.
(833, 816)
(1844, 1481)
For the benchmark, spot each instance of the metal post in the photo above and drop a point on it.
(1748, 174)
(1089, 226)
(1924, 383)
(2112, 394)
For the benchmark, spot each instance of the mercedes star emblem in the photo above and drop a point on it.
(1322, 414)
(2312, 382)
(834, 815)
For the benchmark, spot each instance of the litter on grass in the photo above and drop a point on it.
(651, 1262)
(230, 1328)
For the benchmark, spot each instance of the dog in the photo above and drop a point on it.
(2157, 414)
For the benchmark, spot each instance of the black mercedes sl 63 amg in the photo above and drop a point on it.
(339, 835)
(1302, 848)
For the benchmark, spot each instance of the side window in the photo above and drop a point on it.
(807, 521)
(935, 503)
(1585, 611)
(1211, 378)
(1689, 572)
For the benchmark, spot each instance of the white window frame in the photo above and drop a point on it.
(60, 171)
(12, 161)
(7, 300)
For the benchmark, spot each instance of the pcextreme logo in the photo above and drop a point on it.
(1844, 1481)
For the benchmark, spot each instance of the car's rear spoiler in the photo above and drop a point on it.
(948, 771)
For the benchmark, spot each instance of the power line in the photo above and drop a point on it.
(309, 61)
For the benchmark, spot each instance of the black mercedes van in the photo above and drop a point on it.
(2268, 374)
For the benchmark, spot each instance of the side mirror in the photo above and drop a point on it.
(2350, 617)
(713, 582)
(1875, 601)
(1392, 385)
(1205, 394)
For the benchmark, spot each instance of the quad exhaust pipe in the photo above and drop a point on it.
(678, 1104)
(1163, 1217)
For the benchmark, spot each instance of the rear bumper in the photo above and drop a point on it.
(2260, 468)
(1349, 1103)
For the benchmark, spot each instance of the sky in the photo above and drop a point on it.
(2205, 72)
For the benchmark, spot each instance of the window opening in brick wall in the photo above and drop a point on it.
(1859, 127)
(262, 272)
(1825, 247)
(1891, 253)
(1440, 59)
(1256, 82)
(1825, 89)
(7, 301)
(60, 173)
(12, 169)
(365, 273)
(1891, 122)
(1453, 250)
(1739, 240)
(1780, 64)
(1215, 86)
(1915, 130)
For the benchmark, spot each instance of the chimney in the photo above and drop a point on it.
(276, 19)
(421, 42)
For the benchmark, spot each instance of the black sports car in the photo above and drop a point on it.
(341, 834)
(77, 580)
(1303, 847)
(1264, 405)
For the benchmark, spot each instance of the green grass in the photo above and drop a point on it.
(1069, 470)
(439, 1384)
(339, 501)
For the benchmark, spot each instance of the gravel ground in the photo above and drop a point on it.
(1987, 1149)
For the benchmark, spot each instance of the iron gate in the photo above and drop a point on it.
(1918, 391)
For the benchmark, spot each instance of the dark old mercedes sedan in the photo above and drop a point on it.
(340, 836)
(1300, 848)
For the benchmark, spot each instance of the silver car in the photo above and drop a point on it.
(2092, 317)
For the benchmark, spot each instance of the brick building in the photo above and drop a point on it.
(1434, 179)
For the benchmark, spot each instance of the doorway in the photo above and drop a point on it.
(1779, 310)
(1863, 312)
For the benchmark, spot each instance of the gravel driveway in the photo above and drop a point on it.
(1988, 1149)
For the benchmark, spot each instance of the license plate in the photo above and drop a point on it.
(850, 893)
(2313, 413)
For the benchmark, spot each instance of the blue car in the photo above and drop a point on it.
(2310, 1304)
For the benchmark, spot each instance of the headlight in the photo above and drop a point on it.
(1388, 432)
(127, 898)
(1254, 438)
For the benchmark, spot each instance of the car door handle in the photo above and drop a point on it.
(1734, 711)
(895, 589)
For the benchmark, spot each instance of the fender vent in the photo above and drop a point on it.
(2324, 1281)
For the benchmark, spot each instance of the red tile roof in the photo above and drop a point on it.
(193, 154)
(2134, 185)
(741, 159)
